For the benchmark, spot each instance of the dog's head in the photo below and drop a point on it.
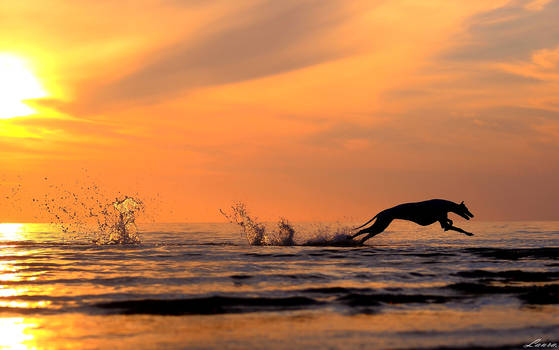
(464, 212)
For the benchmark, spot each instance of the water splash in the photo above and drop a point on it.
(331, 235)
(255, 232)
(86, 213)
(121, 228)
(283, 233)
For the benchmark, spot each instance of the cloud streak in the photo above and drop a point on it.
(511, 32)
(268, 38)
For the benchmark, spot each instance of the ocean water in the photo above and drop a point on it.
(202, 286)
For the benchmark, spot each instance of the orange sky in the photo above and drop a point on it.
(312, 110)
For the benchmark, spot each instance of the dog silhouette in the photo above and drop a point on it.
(422, 213)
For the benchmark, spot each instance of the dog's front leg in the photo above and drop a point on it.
(446, 223)
(458, 229)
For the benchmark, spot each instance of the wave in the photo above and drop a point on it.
(516, 253)
(511, 275)
(344, 299)
(229, 304)
(206, 305)
(535, 295)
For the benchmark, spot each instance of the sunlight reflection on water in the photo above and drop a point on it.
(16, 333)
(12, 231)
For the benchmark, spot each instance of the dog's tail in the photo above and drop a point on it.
(365, 224)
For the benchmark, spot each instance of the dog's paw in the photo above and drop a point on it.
(469, 234)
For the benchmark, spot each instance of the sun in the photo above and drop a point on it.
(17, 84)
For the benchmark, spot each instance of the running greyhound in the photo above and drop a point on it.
(422, 213)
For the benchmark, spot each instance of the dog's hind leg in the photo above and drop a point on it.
(379, 226)
(365, 224)
(361, 232)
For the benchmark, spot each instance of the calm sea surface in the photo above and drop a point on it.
(201, 286)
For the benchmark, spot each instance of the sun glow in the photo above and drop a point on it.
(17, 84)
(11, 232)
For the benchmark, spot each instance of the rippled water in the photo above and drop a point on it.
(202, 286)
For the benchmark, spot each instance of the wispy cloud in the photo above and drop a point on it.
(511, 32)
(264, 39)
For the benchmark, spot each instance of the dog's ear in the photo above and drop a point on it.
(462, 203)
